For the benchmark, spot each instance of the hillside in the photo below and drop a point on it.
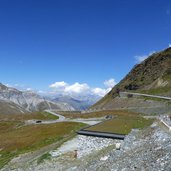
(152, 76)
(7, 107)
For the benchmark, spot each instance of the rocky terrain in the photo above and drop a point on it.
(84, 145)
(26, 101)
(142, 150)
(8, 107)
(147, 150)
(152, 76)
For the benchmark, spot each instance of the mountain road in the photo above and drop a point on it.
(61, 118)
(123, 94)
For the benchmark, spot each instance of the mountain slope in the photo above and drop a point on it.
(152, 76)
(27, 101)
(7, 107)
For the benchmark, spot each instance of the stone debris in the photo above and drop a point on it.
(142, 150)
(118, 146)
(146, 150)
(104, 158)
(88, 144)
(84, 145)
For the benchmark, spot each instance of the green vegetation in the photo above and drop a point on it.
(165, 91)
(49, 116)
(45, 156)
(99, 114)
(17, 138)
(122, 124)
(28, 116)
(69, 112)
(153, 99)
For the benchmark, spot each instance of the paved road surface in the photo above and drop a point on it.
(64, 119)
(61, 118)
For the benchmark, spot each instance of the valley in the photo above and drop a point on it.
(140, 149)
(34, 140)
(40, 133)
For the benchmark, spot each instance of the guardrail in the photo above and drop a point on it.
(169, 127)
(125, 94)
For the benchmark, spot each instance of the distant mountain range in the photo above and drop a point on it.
(152, 76)
(79, 102)
(15, 101)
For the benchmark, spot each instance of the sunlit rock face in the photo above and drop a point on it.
(29, 100)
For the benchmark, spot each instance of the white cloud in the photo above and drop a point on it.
(67, 89)
(110, 83)
(80, 89)
(100, 91)
(61, 84)
(28, 89)
(77, 88)
(169, 45)
(8, 85)
(20, 87)
(141, 58)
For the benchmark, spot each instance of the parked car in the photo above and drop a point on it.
(109, 117)
(38, 121)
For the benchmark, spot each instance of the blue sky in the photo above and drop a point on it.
(84, 41)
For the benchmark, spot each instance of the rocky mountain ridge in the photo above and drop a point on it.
(27, 101)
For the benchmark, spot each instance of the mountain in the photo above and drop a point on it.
(22, 101)
(7, 107)
(152, 76)
(79, 102)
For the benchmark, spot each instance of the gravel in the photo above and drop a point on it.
(146, 150)
(142, 150)
(88, 144)
(84, 145)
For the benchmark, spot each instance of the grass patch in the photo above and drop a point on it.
(45, 156)
(161, 91)
(49, 116)
(28, 116)
(153, 99)
(69, 112)
(5, 157)
(99, 114)
(122, 124)
(18, 140)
